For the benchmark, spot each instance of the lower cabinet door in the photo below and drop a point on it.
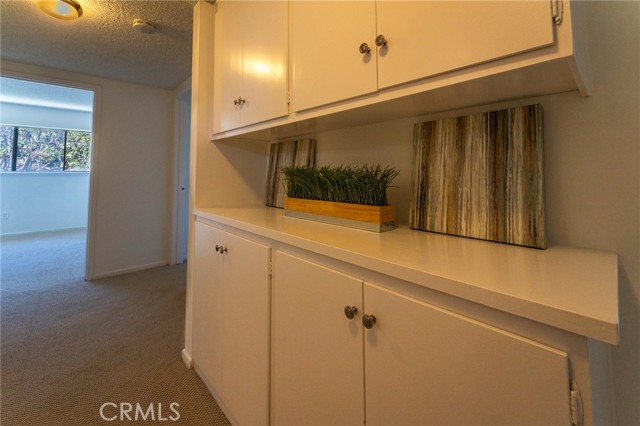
(231, 322)
(429, 366)
(207, 305)
(316, 351)
(244, 330)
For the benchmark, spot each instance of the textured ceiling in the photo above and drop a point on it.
(103, 42)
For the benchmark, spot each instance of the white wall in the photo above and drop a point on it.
(592, 172)
(35, 202)
(131, 179)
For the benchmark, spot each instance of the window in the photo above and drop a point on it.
(30, 149)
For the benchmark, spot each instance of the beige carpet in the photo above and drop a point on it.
(70, 346)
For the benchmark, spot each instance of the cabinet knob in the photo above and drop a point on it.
(350, 311)
(239, 101)
(364, 48)
(381, 41)
(220, 249)
(368, 321)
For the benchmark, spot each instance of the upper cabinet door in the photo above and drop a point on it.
(425, 38)
(227, 71)
(264, 61)
(244, 329)
(250, 63)
(326, 62)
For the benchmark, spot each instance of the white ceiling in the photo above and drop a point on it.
(102, 42)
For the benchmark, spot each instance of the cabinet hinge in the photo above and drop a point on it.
(270, 269)
(577, 412)
(556, 11)
(289, 97)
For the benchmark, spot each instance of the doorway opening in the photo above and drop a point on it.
(181, 215)
(46, 145)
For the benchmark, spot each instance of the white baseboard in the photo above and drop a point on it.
(128, 270)
(186, 358)
(45, 232)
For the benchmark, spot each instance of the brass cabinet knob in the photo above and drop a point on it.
(220, 249)
(381, 41)
(364, 48)
(368, 321)
(350, 311)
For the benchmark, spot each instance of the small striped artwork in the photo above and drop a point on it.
(291, 153)
(481, 176)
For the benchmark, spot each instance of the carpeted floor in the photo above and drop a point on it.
(69, 346)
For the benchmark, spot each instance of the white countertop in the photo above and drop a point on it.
(568, 288)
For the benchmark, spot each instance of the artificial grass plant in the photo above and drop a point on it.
(343, 184)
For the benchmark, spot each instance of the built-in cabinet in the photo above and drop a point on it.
(231, 321)
(345, 350)
(315, 333)
(465, 331)
(373, 45)
(250, 63)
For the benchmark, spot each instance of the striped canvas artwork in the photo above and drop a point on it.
(292, 153)
(481, 176)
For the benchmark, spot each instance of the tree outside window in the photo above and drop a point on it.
(77, 154)
(6, 147)
(29, 149)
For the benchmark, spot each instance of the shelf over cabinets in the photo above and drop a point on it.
(568, 288)
(250, 63)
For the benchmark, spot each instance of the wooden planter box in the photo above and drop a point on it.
(370, 218)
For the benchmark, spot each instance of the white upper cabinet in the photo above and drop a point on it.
(327, 65)
(286, 69)
(371, 45)
(425, 38)
(250, 63)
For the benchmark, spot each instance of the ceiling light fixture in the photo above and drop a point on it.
(142, 26)
(61, 9)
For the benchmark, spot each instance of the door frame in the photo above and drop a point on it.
(95, 137)
(182, 127)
